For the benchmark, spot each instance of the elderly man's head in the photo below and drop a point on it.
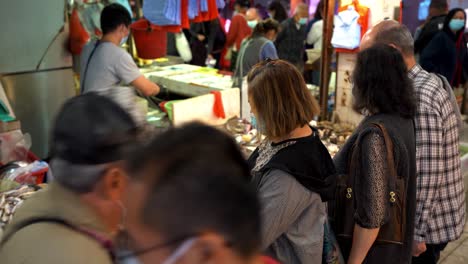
(91, 140)
(390, 32)
(301, 14)
(252, 17)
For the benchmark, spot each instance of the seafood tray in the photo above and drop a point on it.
(11, 200)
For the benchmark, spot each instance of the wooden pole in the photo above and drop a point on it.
(329, 11)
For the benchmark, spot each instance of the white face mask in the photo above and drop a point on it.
(172, 259)
(180, 251)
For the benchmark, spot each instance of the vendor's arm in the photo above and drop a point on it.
(145, 86)
(129, 73)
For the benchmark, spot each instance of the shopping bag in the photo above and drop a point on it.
(183, 47)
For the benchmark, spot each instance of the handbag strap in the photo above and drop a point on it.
(87, 66)
(390, 158)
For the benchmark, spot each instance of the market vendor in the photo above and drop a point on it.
(104, 64)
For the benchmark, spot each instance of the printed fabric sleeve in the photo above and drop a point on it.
(283, 200)
(268, 51)
(127, 70)
(371, 181)
(429, 158)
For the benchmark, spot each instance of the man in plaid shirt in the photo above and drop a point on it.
(440, 197)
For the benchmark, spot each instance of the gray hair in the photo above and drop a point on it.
(76, 177)
(301, 7)
(398, 35)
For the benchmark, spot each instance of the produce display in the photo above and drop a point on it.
(333, 135)
(11, 200)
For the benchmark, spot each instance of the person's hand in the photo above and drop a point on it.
(418, 248)
(210, 56)
(201, 37)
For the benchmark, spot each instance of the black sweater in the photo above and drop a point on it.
(440, 56)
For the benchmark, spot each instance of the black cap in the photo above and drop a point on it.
(243, 3)
(92, 129)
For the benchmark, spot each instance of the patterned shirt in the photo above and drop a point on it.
(440, 197)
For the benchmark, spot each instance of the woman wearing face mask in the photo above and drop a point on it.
(447, 53)
(292, 170)
(257, 48)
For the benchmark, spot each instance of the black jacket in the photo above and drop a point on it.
(441, 56)
(432, 27)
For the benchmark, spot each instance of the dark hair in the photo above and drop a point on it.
(280, 11)
(279, 93)
(113, 16)
(264, 26)
(243, 3)
(439, 4)
(199, 182)
(397, 34)
(381, 82)
(449, 17)
(319, 11)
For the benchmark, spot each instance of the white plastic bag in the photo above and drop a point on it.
(183, 47)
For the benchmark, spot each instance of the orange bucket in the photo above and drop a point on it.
(150, 40)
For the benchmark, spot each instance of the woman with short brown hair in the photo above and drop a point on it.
(291, 169)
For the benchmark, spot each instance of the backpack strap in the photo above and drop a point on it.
(105, 243)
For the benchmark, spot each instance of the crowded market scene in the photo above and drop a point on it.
(233, 131)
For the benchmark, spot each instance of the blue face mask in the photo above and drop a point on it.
(123, 41)
(252, 23)
(302, 21)
(456, 24)
(260, 126)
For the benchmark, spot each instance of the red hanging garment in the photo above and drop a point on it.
(207, 16)
(218, 107)
(78, 35)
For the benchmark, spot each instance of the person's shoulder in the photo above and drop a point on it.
(430, 91)
(64, 245)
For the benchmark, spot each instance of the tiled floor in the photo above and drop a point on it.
(457, 251)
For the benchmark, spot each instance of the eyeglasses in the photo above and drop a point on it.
(159, 246)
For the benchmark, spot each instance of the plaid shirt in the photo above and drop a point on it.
(440, 197)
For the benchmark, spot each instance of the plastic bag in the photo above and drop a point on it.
(14, 146)
(32, 173)
(183, 47)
